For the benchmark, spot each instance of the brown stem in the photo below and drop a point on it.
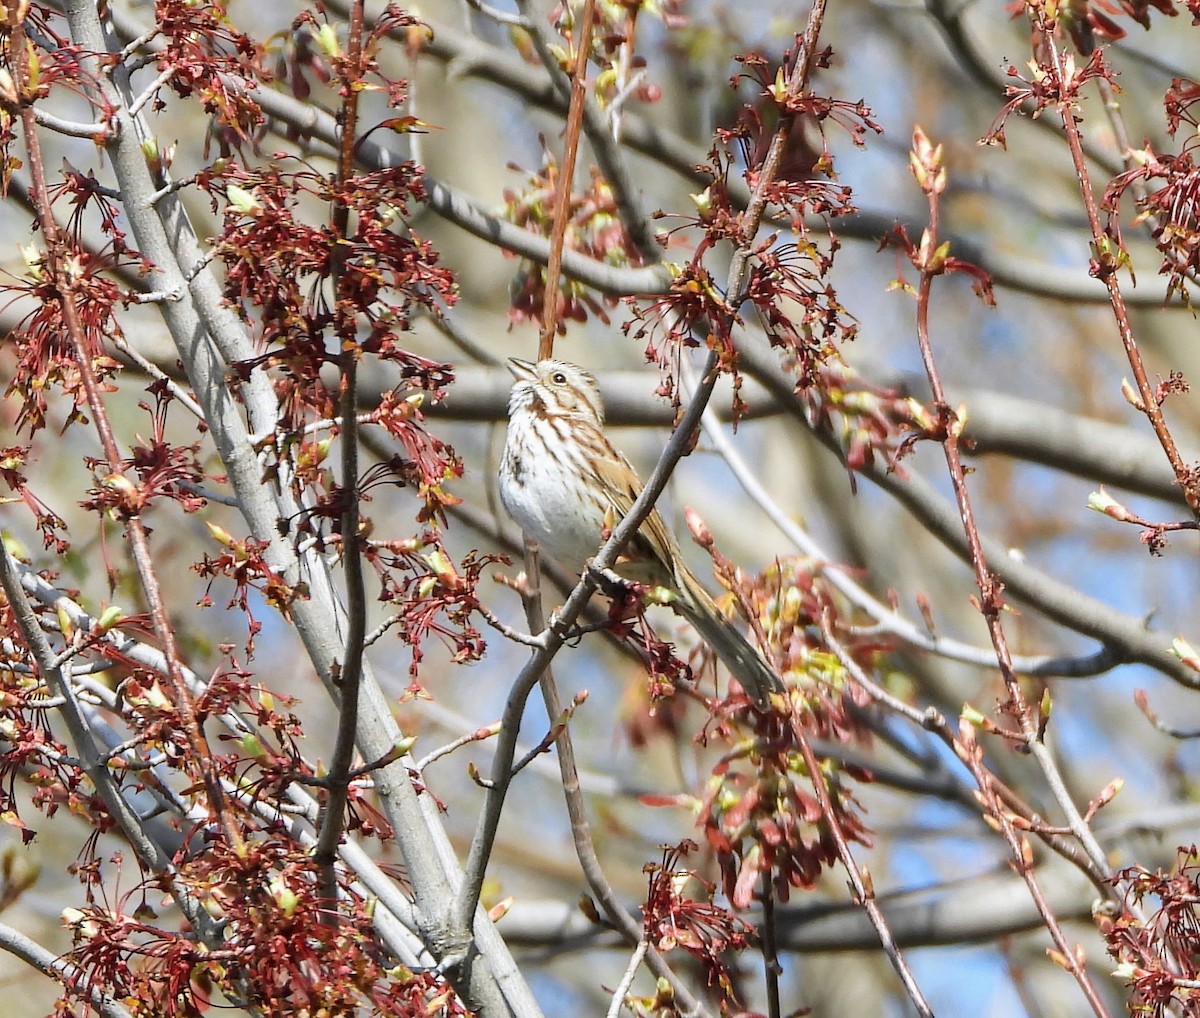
(931, 177)
(770, 948)
(566, 174)
(340, 775)
(1106, 271)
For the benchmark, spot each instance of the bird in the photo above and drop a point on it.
(563, 482)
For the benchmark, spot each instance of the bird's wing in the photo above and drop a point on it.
(653, 540)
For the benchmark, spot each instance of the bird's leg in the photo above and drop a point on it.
(612, 584)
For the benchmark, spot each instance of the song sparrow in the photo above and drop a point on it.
(565, 484)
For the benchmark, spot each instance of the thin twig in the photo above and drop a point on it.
(561, 720)
(860, 883)
(605, 147)
(1183, 734)
(581, 828)
(159, 375)
(130, 48)
(1150, 404)
(566, 174)
(479, 735)
(497, 789)
(619, 994)
(149, 93)
(380, 630)
(931, 176)
(508, 631)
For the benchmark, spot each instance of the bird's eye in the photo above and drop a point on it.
(559, 378)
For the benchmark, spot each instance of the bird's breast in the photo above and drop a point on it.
(550, 491)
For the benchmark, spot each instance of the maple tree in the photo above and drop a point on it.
(267, 724)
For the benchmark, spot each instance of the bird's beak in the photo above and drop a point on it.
(522, 370)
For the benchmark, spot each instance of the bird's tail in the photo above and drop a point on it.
(755, 674)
